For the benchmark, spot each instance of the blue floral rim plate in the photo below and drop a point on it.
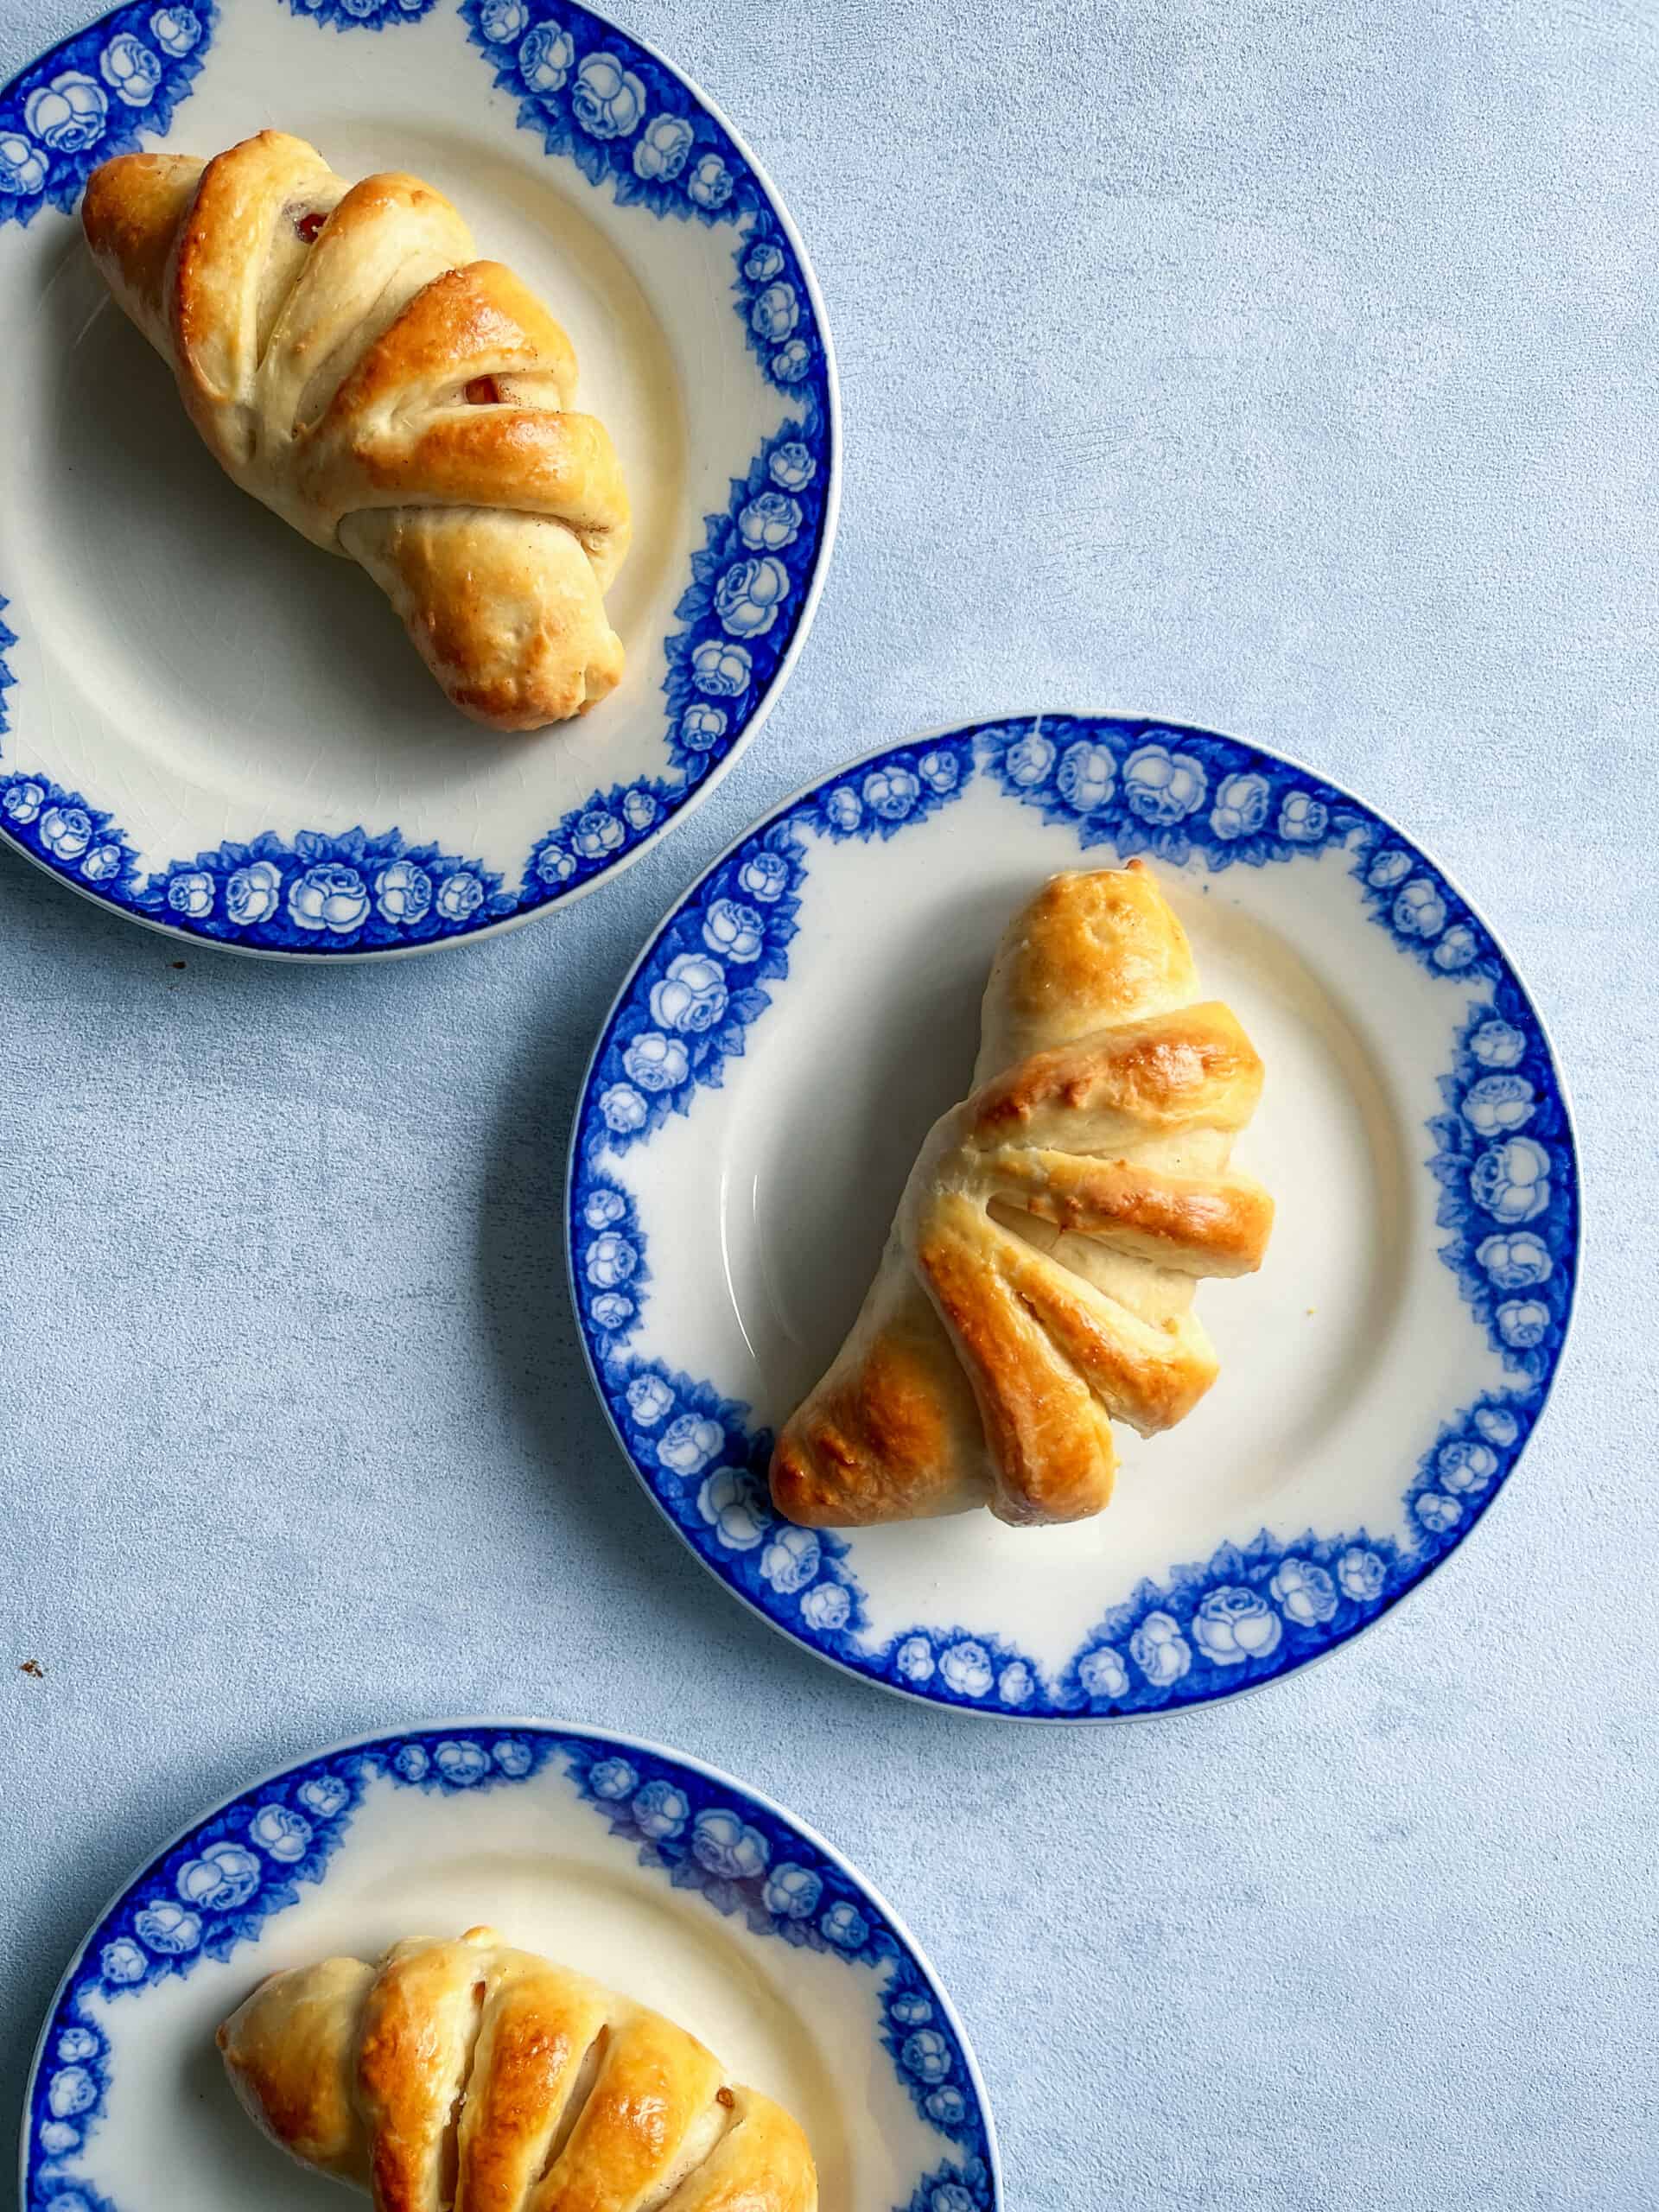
(211, 727)
(657, 1874)
(795, 1024)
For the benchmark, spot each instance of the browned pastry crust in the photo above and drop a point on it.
(350, 364)
(1038, 1283)
(471, 2077)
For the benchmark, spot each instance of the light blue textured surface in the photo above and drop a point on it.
(1285, 370)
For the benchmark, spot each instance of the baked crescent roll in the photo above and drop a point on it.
(348, 362)
(471, 2077)
(1038, 1283)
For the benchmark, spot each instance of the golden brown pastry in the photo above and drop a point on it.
(1038, 1283)
(349, 363)
(473, 2076)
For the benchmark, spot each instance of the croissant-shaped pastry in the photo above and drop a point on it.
(1039, 1279)
(473, 2076)
(349, 363)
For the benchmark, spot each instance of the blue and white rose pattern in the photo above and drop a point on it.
(215, 1890)
(361, 14)
(590, 93)
(709, 971)
(1502, 1156)
(595, 97)
(92, 97)
(318, 895)
(1503, 1159)
(741, 612)
(747, 1863)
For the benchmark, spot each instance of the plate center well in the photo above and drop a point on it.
(1332, 1358)
(172, 2138)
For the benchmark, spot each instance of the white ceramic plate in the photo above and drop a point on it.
(211, 726)
(761, 1086)
(658, 1876)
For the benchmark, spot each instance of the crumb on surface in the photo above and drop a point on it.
(33, 1667)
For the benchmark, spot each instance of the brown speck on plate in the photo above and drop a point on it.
(33, 1667)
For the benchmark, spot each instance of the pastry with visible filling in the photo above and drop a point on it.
(348, 362)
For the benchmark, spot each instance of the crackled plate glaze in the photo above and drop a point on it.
(660, 1876)
(761, 1086)
(210, 726)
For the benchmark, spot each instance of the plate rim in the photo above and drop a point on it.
(593, 1732)
(175, 933)
(935, 733)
